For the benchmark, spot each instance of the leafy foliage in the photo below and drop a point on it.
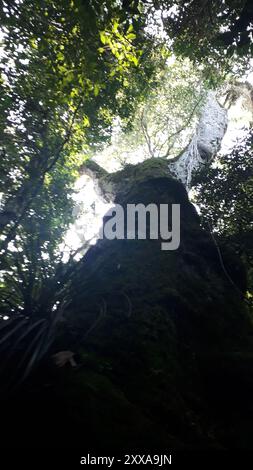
(62, 83)
(224, 194)
(67, 69)
(165, 119)
(214, 33)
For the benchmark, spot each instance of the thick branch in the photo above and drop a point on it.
(205, 142)
(146, 134)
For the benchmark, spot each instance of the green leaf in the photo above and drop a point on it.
(135, 60)
(60, 56)
(86, 121)
(131, 36)
(103, 37)
(96, 89)
(115, 26)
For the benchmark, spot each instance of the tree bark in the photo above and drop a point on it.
(205, 142)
